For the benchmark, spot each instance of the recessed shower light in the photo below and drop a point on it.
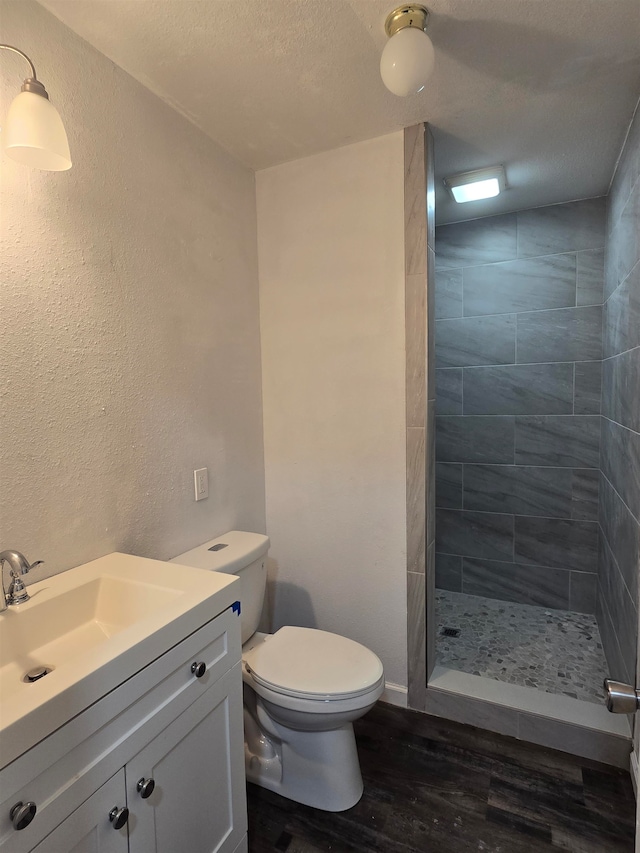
(476, 185)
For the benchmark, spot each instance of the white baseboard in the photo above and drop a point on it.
(394, 694)
(634, 772)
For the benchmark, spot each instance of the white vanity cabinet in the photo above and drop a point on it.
(177, 722)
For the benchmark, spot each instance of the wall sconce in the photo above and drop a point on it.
(407, 59)
(476, 185)
(33, 131)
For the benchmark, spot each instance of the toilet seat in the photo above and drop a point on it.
(309, 664)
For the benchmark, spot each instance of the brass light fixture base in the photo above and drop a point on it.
(406, 16)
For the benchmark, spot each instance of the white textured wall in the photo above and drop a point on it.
(331, 257)
(129, 337)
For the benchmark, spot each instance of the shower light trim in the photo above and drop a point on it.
(476, 184)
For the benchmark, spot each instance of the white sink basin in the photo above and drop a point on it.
(93, 627)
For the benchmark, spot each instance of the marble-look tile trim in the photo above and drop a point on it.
(416, 500)
(416, 640)
(575, 739)
(415, 224)
(420, 401)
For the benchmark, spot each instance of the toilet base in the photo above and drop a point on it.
(318, 769)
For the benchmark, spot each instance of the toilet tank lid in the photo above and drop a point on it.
(228, 553)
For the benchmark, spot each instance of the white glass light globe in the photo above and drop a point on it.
(407, 62)
(34, 134)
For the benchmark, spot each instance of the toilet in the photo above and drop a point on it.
(303, 688)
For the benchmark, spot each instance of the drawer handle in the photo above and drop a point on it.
(145, 787)
(22, 814)
(199, 669)
(119, 816)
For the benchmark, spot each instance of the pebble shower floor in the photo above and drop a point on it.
(556, 651)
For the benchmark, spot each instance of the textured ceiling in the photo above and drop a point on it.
(546, 87)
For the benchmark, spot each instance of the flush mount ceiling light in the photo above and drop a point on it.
(33, 131)
(407, 59)
(476, 185)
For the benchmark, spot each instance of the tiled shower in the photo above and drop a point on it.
(538, 438)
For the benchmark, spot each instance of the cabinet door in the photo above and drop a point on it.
(88, 829)
(198, 803)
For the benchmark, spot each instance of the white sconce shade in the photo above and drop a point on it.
(34, 134)
(407, 61)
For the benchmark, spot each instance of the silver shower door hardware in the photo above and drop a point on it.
(621, 698)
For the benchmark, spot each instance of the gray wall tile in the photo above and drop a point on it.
(566, 334)
(532, 389)
(621, 607)
(617, 666)
(476, 340)
(448, 293)
(511, 582)
(476, 439)
(587, 388)
(620, 383)
(529, 434)
(527, 285)
(518, 490)
(559, 543)
(620, 460)
(474, 534)
(620, 530)
(481, 241)
(561, 441)
(562, 228)
(627, 172)
(590, 277)
(619, 502)
(430, 472)
(449, 572)
(585, 486)
(430, 602)
(583, 592)
(431, 325)
(629, 243)
(621, 320)
(448, 485)
(449, 391)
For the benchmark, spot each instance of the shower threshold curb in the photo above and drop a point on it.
(546, 719)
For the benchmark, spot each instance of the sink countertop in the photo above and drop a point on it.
(183, 599)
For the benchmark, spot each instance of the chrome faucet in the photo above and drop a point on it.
(19, 565)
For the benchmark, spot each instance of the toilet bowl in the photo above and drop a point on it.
(302, 687)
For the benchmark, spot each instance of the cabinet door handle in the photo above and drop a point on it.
(119, 816)
(145, 787)
(22, 814)
(199, 668)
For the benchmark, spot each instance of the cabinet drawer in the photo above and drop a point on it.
(62, 771)
(89, 828)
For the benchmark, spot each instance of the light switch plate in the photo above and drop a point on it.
(201, 483)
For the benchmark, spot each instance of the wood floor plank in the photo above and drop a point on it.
(432, 786)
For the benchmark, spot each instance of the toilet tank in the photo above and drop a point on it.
(236, 553)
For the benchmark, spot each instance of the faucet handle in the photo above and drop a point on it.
(37, 563)
(17, 590)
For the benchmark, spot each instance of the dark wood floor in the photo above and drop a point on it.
(432, 786)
